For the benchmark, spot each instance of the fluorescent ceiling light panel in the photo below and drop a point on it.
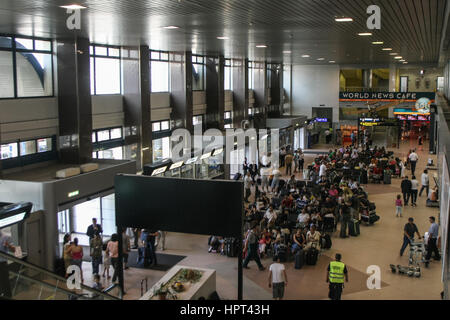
(171, 27)
(364, 34)
(73, 6)
(223, 38)
(378, 42)
(343, 19)
(387, 49)
(306, 56)
(398, 58)
(261, 46)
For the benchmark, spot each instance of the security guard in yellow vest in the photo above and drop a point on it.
(336, 273)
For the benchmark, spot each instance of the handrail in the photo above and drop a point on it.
(51, 274)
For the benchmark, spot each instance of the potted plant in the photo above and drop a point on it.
(161, 292)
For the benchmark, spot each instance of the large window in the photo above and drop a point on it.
(159, 69)
(108, 143)
(161, 149)
(198, 73)
(158, 126)
(105, 70)
(26, 67)
(250, 75)
(228, 75)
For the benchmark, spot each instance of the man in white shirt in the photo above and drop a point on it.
(247, 185)
(425, 183)
(303, 218)
(322, 170)
(277, 278)
(270, 215)
(413, 157)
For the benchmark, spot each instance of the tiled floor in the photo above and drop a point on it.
(377, 245)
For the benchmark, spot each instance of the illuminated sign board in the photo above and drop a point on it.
(73, 193)
(14, 213)
(217, 152)
(176, 165)
(159, 171)
(193, 160)
(321, 120)
(12, 220)
(205, 156)
(373, 122)
(386, 96)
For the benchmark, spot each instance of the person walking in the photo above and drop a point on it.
(126, 248)
(288, 159)
(414, 191)
(336, 272)
(425, 183)
(345, 217)
(96, 245)
(406, 186)
(251, 247)
(247, 186)
(91, 229)
(398, 206)
(413, 158)
(408, 234)
(433, 237)
(161, 239)
(277, 278)
(112, 250)
(76, 252)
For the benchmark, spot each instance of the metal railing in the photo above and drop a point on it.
(30, 282)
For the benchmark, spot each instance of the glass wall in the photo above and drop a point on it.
(228, 85)
(161, 149)
(26, 67)
(159, 70)
(105, 70)
(83, 214)
(250, 75)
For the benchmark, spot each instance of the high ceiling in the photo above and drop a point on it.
(413, 28)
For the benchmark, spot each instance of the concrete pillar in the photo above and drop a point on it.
(136, 98)
(74, 100)
(392, 78)
(215, 93)
(240, 91)
(367, 78)
(181, 100)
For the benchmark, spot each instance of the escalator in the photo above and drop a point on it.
(21, 280)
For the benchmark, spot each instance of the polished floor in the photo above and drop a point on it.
(377, 245)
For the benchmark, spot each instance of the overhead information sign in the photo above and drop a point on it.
(385, 96)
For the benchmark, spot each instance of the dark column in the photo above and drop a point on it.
(136, 104)
(240, 91)
(260, 93)
(181, 89)
(215, 93)
(276, 87)
(74, 101)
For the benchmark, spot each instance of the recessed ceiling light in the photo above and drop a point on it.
(332, 61)
(343, 19)
(287, 51)
(261, 46)
(378, 42)
(320, 59)
(405, 62)
(393, 54)
(73, 6)
(364, 34)
(387, 49)
(398, 57)
(171, 27)
(223, 38)
(306, 56)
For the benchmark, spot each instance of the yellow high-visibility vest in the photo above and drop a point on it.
(336, 272)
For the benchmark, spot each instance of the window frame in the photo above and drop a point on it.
(94, 55)
(14, 50)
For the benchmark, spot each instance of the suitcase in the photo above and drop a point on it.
(326, 241)
(387, 178)
(231, 247)
(353, 228)
(299, 259)
(311, 256)
(282, 252)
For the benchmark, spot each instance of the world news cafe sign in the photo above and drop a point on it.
(385, 96)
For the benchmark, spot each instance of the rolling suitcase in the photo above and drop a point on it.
(282, 252)
(387, 177)
(353, 228)
(299, 259)
(326, 241)
(311, 256)
(231, 247)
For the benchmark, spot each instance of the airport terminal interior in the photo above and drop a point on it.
(175, 149)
